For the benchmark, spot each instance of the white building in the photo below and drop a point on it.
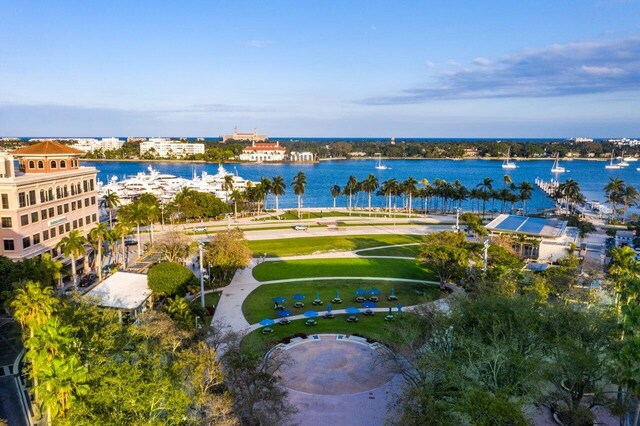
(126, 292)
(162, 147)
(301, 157)
(245, 136)
(92, 145)
(263, 151)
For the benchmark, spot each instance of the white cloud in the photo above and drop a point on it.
(258, 44)
(482, 62)
(430, 64)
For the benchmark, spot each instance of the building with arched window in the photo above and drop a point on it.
(37, 208)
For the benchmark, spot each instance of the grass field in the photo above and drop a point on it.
(293, 215)
(258, 305)
(374, 327)
(350, 267)
(407, 251)
(297, 246)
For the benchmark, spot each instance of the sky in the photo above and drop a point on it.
(330, 68)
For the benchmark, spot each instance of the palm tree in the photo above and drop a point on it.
(526, 190)
(266, 185)
(72, 246)
(570, 191)
(408, 188)
(629, 197)
(389, 188)
(236, 196)
(335, 193)
(298, 183)
(349, 189)
(278, 188)
(613, 189)
(369, 185)
(110, 201)
(136, 213)
(153, 211)
(486, 186)
(121, 230)
(99, 235)
(227, 185)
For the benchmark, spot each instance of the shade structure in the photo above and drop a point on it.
(352, 311)
(360, 292)
(329, 307)
(310, 314)
(284, 313)
(298, 296)
(374, 292)
(368, 304)
(279, 299)
(267, 322)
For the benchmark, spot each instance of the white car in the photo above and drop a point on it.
(200, 229)
(300, 227)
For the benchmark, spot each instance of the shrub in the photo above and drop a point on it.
(170, 278)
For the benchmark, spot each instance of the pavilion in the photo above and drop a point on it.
(124, 291)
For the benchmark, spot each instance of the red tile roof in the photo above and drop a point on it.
(264, 147)
(47, 148)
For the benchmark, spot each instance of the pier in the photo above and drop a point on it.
(549, 187)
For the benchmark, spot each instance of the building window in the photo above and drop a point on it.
(43, 214)
(32, 164)
(36, 239)
(75, 224)
(59, 210)
(54, 164)
(73, 204)
(8, 245)
(86, 202)
(58, 192)
(88, 219)
(50, 191)
(5, 201)
(22, 199)
(66, 192)
(26, 242)
(6, 222)
(78, 189)
(43, 196)
(73, 190)
(63, 164)
(51, 212)
(53, 232)
(61, 229)
(93, 200)
(24, 220)
(32, 197)
(91, 184)
(85, 186)
(41, 164)
(67, 227)
(45, 235)
(94, 218)
(34, 217)
(81, 222)
(66, 208)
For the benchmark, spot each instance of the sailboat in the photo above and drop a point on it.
(557, 168)
(612, 166)
(380, 166)
(622, 162)
(508, 164)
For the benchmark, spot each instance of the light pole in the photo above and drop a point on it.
(457, 227)
(485, 254)
(201, 277)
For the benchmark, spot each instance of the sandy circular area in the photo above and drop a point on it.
(328, 366)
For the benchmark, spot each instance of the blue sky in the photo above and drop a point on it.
(331, 68)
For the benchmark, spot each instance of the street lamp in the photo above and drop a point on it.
(457, 226)
(201, 277)
(485, 254)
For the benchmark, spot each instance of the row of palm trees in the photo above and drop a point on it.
(438, 195)
(621, 194)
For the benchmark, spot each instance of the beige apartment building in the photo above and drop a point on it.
(48, 196)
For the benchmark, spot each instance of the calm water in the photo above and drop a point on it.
(591, 175)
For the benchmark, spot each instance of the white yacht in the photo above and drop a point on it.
(508, 164)
(557, 168)
(379, 165)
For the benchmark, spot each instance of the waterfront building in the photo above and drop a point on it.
(92, 145)
(48, 196)
(245, 136)
(259, 152)
(538, 239)
(301, 157)
(162, 148)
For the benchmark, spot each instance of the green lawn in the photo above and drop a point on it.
(211, 299)
(293, 215)
(407, 251)
(258, 305)
(350, 267)
(374, 327)
(296, 246)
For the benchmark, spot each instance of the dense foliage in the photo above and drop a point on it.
(227, 252)
(169, 278)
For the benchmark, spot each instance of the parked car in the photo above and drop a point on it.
(87, 280)
(200, 229)
(300, 227)
(130, 242)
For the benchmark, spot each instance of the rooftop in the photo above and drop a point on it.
(47, 148)
(528, 225)
(122, 290)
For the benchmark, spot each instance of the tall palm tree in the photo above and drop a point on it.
(629, 197)
(99, 235)
(121, 230)
(349, 189)
(299, 183)
(369, 185)
(408, 188)
(72, 246)
(110, 201)
(486, 186)
(388, 189)
(266, 185)
(153, 211)
(278, 188)
(237, 197)
(227, 185)
(613, 189)
(335, 193)
(526, 190)
(570, 191)
(136, 212)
